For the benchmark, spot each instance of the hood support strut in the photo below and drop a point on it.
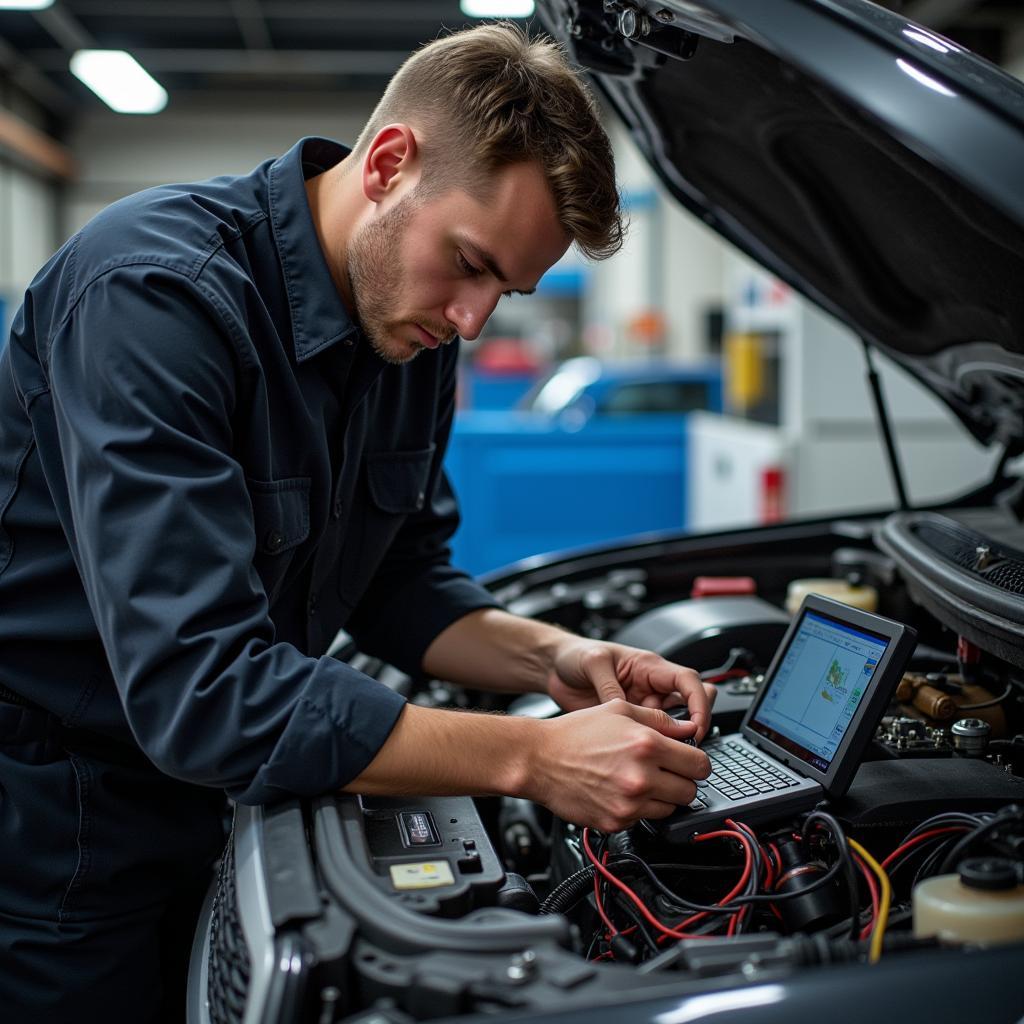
(882, 415)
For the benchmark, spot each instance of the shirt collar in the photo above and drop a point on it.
(319, 317)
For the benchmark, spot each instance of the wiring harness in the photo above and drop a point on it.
(788, 881)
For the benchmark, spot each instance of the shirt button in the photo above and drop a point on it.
(274, 540)
(312, 604)
(338, 506)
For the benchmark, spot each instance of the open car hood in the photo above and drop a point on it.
(875, 166)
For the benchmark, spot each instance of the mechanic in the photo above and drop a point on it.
(223, 413)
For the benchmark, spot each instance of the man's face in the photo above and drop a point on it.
(422, 272)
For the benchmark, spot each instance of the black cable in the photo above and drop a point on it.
(1003, 817)
(941, 820)
(927, 846)
(849, 869)
(683, 904)
(626, 905)
(677, 902)
(929, 865)
(987, 703)
(942, 843)
(594, 940)
(571, 890)
(579, 885)
(754, 881)
(687, 869)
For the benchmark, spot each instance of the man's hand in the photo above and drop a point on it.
(590, 672)
(610, 765)
(605, 766)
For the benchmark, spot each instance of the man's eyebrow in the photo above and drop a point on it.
(484, 257)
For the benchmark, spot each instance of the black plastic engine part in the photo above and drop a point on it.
(815, 909)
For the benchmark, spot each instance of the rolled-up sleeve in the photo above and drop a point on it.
(144, 375)
(416, 583)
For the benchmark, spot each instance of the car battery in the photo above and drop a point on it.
(431, 853)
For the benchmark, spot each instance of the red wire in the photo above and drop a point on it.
(769, 868)
(674, 933)
(612, 930)
(910, 843)
(869, 878)
(737, 919)
(733, 673)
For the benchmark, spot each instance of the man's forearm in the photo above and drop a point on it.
(490, 649)
(439, 752)
(605, 766)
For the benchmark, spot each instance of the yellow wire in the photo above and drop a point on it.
(885, 899)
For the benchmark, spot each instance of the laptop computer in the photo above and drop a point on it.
(803, 737)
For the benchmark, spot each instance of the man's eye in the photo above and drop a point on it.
(464, 265)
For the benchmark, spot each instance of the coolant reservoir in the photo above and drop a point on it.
(983, 904)
(863, 597)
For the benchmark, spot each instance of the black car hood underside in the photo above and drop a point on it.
(856, 188)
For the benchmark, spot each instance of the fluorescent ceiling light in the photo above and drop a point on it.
(24, 5)
(497, 8)
(119, 80)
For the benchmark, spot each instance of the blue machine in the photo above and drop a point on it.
(600, 455)
(528, 485)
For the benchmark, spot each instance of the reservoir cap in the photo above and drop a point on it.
(988, 873)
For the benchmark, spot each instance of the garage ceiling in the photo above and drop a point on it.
(197, 48)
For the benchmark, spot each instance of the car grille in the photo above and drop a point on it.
(1002, 568)
(228, 969)
(1007, 575)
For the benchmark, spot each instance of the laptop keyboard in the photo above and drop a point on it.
(737, 773)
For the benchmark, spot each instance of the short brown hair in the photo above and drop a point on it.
(490, 96)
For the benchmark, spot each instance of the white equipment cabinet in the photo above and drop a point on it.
(826, 453)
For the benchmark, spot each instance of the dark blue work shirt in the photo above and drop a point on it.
(205, 472)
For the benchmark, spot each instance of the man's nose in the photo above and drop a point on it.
(470, 311)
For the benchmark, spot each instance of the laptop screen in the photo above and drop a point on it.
(809, 704)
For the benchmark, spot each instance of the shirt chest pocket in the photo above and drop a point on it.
(393, 486)
(280, 512)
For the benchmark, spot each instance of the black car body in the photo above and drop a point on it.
(879, 170)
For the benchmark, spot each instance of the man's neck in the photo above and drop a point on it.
(335, 211)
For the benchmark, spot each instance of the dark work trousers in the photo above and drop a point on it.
(103, 866)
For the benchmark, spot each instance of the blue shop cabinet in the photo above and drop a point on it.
(526, 484)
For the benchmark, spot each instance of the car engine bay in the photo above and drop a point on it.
(426, 908)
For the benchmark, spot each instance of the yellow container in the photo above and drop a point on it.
(865, 598)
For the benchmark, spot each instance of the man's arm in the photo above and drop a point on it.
(136, 435)
(493, 650)
(606, 766)
(615, 758)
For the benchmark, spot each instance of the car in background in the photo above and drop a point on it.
(585, 386)
(878, 169)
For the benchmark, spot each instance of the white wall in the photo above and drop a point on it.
(120, 154)
(29, 231)
(670, 261)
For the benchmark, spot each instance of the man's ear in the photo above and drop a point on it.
(391, 163)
